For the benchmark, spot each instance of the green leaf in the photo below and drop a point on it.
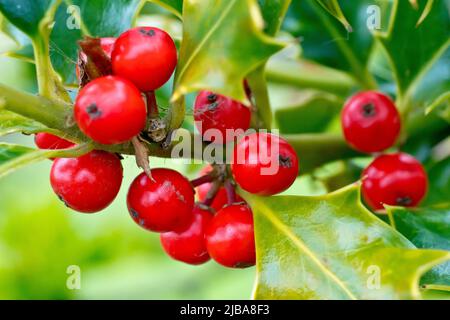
(427, 228)
(218, 47)
(333, 7)
(413, 49)
(14, 157)
(100, 18)
(332, 247)
(439, 183)
(327, 41)
(26, 14)
(309, 111)
(273, 12)
(12, 123)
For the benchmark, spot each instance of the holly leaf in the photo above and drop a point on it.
(439, 183)
(427, 228)
(216, 56)
(333, 7)
(12, 123)
(326, 40)
(414, 48)
(27, 14)
(332, 247)
(100, 18)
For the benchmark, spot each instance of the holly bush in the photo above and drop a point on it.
(301, 60)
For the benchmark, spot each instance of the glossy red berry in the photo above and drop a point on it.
(370, 122)
(110, 110)
(107, 45)
(146, 56)
(230, 237)
(189, 245)
(394, 179)
(221, 198)
(49, 141)
(88, 183)
(164, 204)
(214, 111)
(264, 164)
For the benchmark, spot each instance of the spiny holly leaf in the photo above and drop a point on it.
(12, 123)
(427, 228)
(273, 12)
(100, 18)
(331, 247)
(413, 49)
(219, 47)
(21, 48)
(333, 7)
(27, 14)
(327, 41)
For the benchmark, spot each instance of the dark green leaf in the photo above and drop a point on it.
(333, 7)
(273, 12)
(413, 49)
(439, 183)
(26, 14)
(331, 247)
(175, 6)
(100, 18)
(427, 228)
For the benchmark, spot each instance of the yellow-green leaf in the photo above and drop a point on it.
(331, 247)
(222, 43)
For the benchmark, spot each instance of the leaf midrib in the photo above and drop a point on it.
(304, 248)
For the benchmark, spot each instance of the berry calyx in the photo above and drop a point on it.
(394, 179)
(162, 205)
(230, 237)
(107, 44)
(221, 198)
(189, 245)
(110, 110)
(264, 164)
(370, 122)
(146, 56)
(88, 183)
(214, 111)
(48, 141)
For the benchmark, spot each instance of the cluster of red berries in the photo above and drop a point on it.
(371, 124)
(112, 109)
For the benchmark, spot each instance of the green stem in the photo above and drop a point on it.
(39, 155)
(309, 75)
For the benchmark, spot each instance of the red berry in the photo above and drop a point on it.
(107, 45)
(110, 110)
(370, 122)
(264, 164)
(164, 204)
(49, 141)
(146, 56)
(221, 198)
(189, 245)
(394, 179)
(214, 111)
(88, 183)
(230, 237)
